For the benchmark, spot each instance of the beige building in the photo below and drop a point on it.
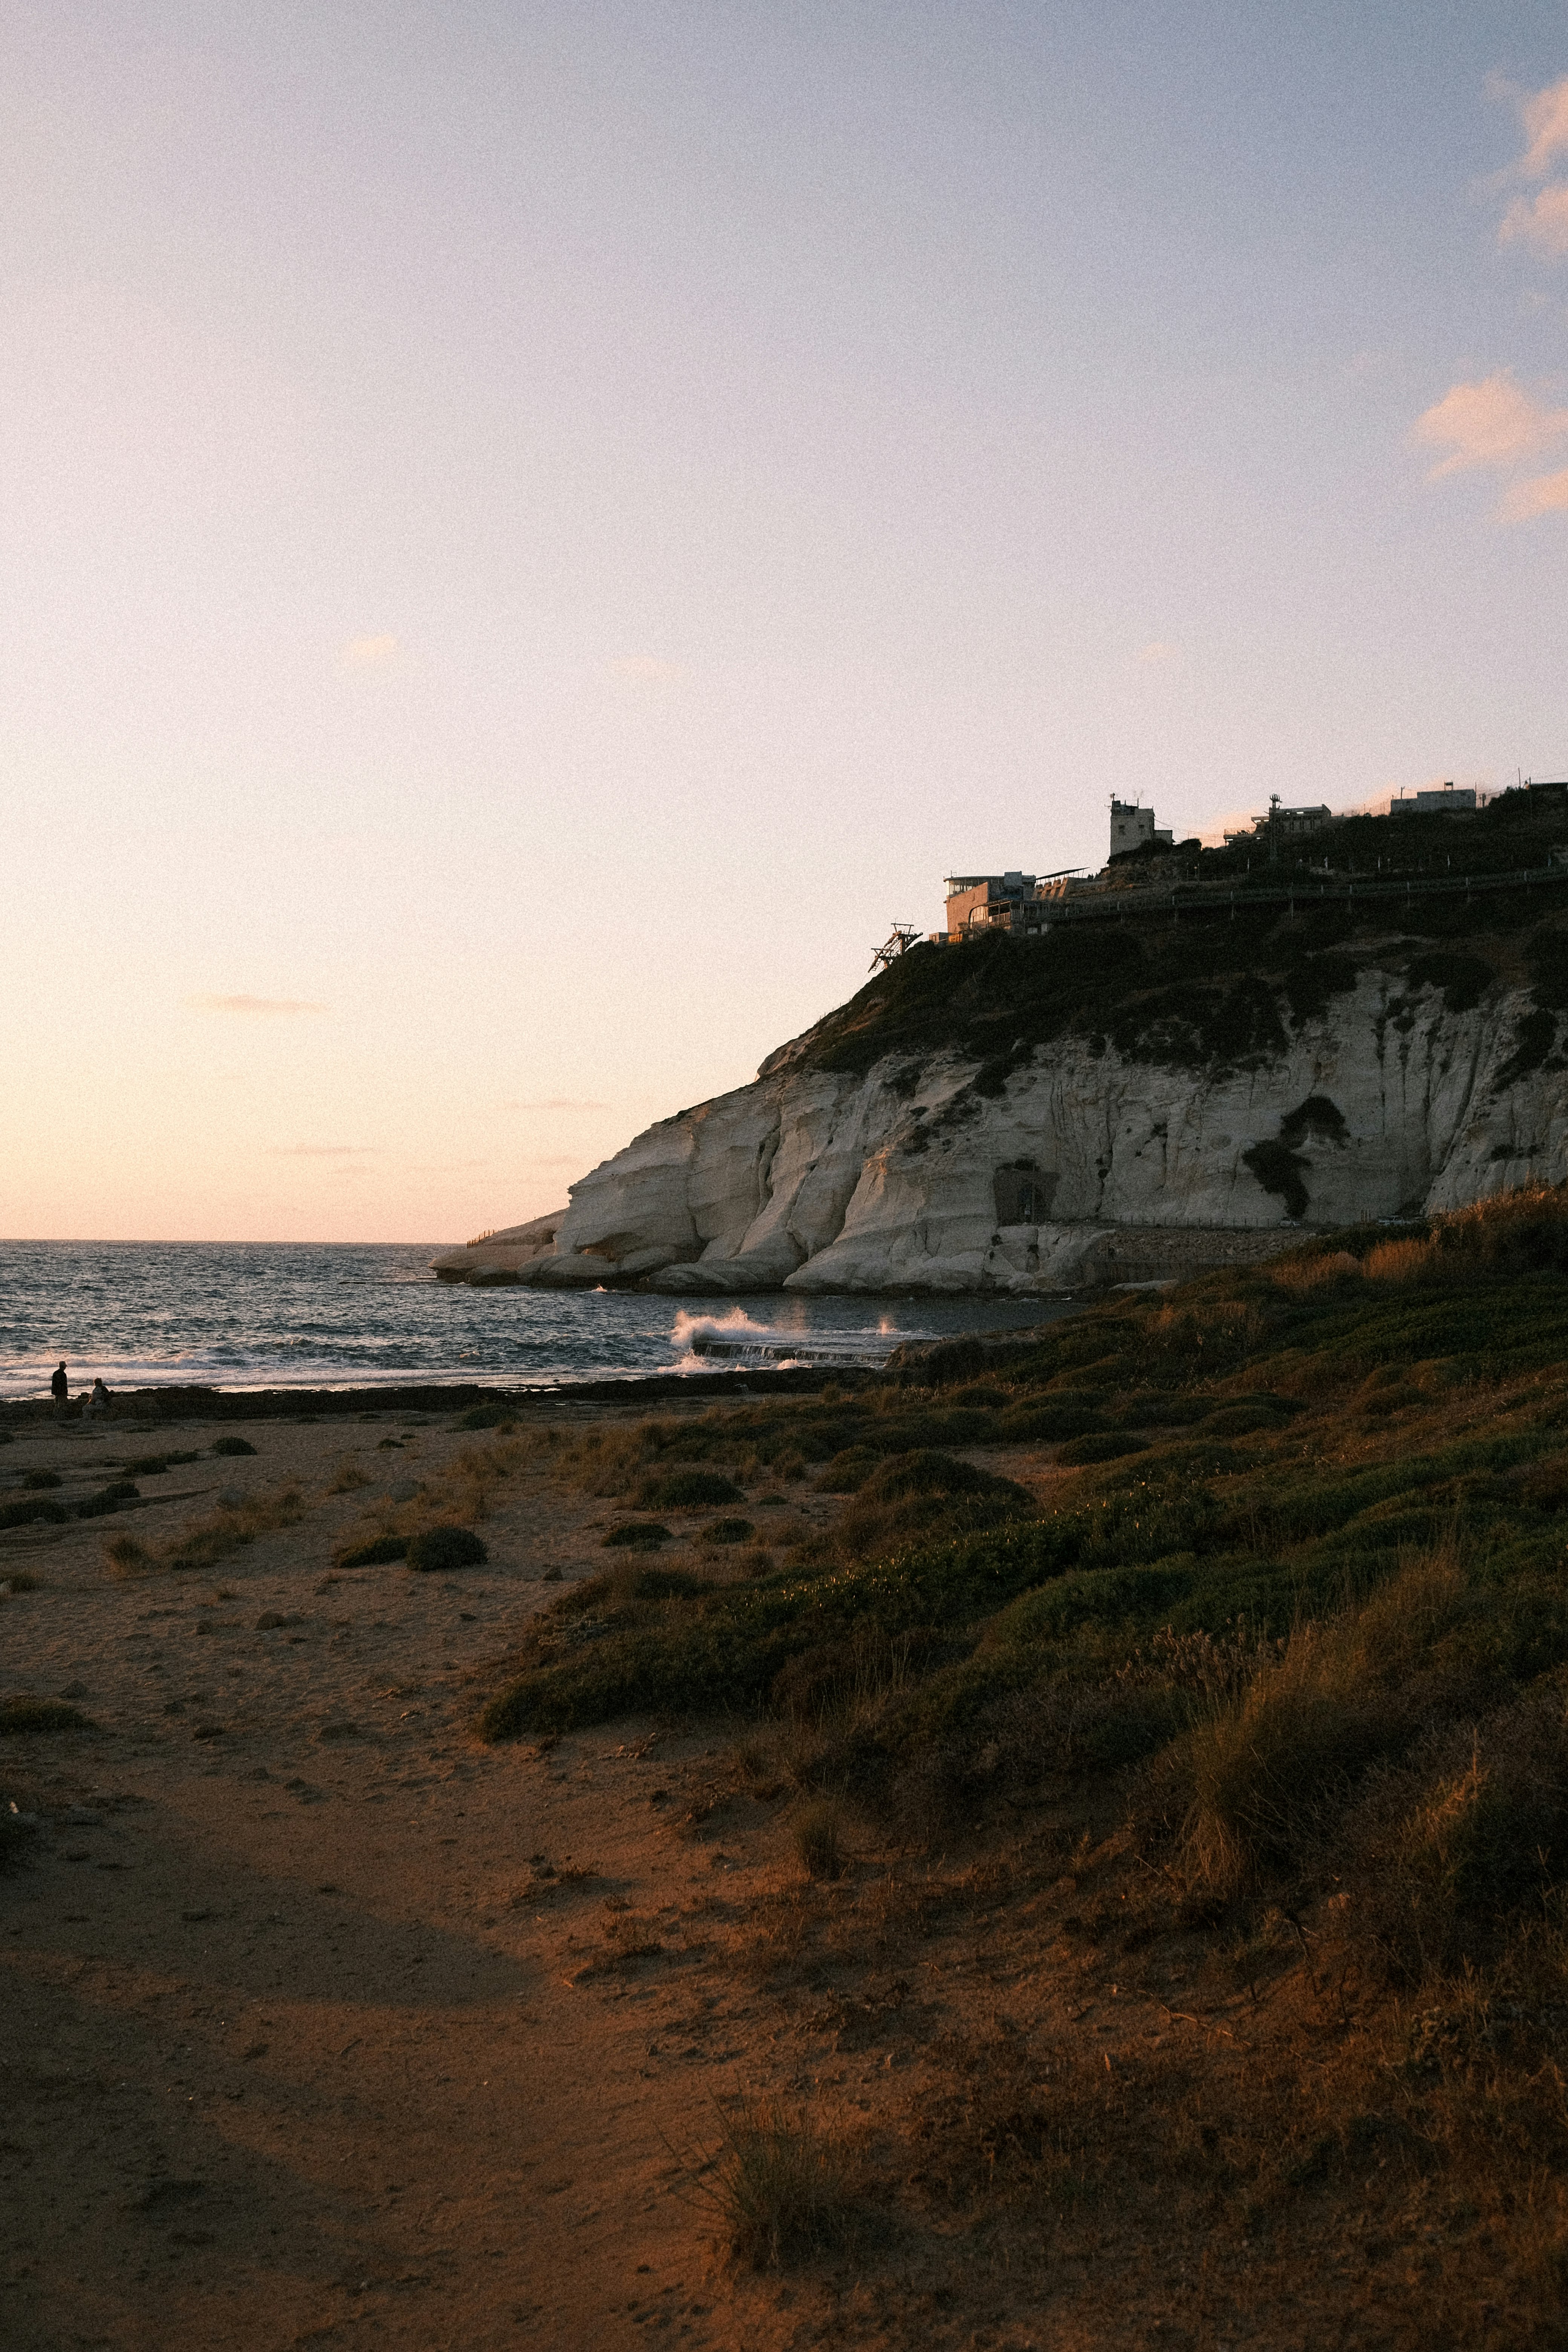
(1133, 827)
(983, 902)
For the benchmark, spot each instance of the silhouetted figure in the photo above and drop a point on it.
(60, 1389)
(99, 1401)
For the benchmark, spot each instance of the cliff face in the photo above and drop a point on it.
(1152, 1088)
(1158, 1131)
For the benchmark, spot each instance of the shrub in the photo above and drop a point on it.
(38, 1479)
(680, 1490)
(1108, 1447)
(913, 1498)
(848, 1471)
(728, 1531)
(1048, 1421)
(1314, 1273)
(440, 1550)
(1448, 1849)
(1259, 1766)
(126, 1557)
(640, 1535)
(1401, 1261)
(108, 1499)
(234, 1446)
(1242, 1420)
(24, 1717)
(779, 2189)
(492, 1414)
(819, 1836)
(372, 1554)
(232, 1526)
(1464, 979)
(36, 1511)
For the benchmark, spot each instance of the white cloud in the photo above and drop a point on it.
(1540, 221)
(370, 653)
(253, 1004)
(1545, 494)
(1494, 422)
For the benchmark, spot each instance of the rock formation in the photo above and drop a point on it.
(1195, 1097)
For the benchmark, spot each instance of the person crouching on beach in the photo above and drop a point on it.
(99, 1401)
(60, 1389)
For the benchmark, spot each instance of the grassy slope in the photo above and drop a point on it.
(1308, 1645)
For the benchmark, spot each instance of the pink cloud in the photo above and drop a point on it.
(1493, 423)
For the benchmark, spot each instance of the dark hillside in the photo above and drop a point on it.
(1210, 989)
(1220, 986)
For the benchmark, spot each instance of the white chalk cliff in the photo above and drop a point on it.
(1085, 1166)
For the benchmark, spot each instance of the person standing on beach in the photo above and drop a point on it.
(60, 1389)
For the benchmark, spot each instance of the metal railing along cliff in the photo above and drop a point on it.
(1214, 898)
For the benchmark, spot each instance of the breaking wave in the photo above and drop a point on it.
(700, 1341)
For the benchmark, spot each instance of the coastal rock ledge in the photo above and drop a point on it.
(1076, 1161)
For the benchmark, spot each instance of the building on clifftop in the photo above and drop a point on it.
(1133, 827)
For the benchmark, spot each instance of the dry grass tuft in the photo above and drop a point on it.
(350, 1476)
(781, 2188)
(126, 1557)
(1263, 1758)
(1316, 1273)
(222, 1533)
(1405, 1261)
(233, 1526)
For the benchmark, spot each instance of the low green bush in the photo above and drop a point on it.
(1046, 1423)
(679, 1490)
(1111, 1446)
(438, 1550)
(232, 1446)
(110, 1498)
(1242, 1420)
(23, 1718)
(37, 1481)
(374, 1554)
(37, 1510)
(728, 1531)
(494, 1413)
(848, 1471)
(914, 1499)
(639, 1535)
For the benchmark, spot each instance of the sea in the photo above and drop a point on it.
(234, 1315)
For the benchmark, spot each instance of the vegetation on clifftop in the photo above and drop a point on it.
(1219, 989)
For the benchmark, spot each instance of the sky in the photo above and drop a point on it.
(531, 533)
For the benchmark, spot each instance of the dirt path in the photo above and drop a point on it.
(292, 2051)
